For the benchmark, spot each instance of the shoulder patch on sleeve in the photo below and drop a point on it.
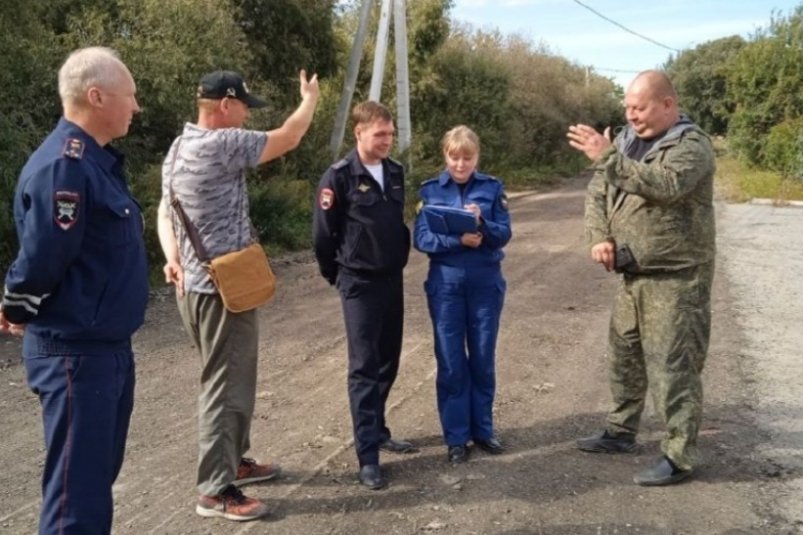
(326, 199)
(65, 209)
(73, 148)
(341, 164)
(503, 201)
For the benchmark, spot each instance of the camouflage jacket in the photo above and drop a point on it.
(660, 206)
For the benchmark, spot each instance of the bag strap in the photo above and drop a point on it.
(189, 228)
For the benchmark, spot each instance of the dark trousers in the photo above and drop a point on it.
(373, 310)
(86, 408)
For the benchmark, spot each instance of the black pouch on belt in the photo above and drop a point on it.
(624, 259)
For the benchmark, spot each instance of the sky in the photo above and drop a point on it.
(572, 31)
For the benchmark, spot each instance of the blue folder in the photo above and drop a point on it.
(449, 220)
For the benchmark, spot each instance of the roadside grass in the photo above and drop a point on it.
(737, 182)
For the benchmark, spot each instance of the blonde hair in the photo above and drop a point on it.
(208, 105)
(96, 66)
(460, 140)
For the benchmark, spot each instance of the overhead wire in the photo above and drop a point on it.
(626, 71)
(625, 28)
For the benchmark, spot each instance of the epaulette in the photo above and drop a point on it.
(429, 181)
(73, 148)
(391, 161)
(340, 165)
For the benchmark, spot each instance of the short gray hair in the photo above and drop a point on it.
(86, 67)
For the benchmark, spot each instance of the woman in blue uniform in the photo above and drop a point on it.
(465, 292)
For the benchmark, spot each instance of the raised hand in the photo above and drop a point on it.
(309, 87)
(588, 141)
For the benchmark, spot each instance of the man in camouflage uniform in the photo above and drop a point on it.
(649, 216)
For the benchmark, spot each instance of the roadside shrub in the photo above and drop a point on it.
(784, 149)
(281, 210)
(147, 189)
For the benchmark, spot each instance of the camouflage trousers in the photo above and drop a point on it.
(659, 332)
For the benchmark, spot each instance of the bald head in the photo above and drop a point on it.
(656, 82)
(651, 104)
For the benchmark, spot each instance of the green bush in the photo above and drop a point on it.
(519, 98)
(765, 86)
(281, 210)
(784, 149)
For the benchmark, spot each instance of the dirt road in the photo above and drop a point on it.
(552, 388)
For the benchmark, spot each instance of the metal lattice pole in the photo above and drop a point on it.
(381, 52)
(351, 79)
(402, 79)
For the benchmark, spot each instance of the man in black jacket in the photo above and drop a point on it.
(362, 244)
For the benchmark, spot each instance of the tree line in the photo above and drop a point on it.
(750, 90)
(517, 95)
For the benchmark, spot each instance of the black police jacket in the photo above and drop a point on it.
(357, 225)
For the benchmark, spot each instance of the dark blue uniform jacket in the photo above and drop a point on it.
(486, 192)
(80, 279)
(357, 225)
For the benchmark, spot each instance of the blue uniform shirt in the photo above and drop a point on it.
(80, 278)
(486, 192)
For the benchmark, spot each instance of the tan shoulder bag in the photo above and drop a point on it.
(243, 278)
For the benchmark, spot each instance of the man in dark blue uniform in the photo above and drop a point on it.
(78, 289)
(362, 244)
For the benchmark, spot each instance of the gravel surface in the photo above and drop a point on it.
(552, 388)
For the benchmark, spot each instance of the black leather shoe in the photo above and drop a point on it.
(606, 443)
(458, 454)
(397, 446)
(664, 472)
(371, 476)
(492, 445)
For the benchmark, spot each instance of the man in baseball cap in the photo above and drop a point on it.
(205, 172)
(227, 84)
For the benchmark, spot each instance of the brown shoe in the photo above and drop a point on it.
(250, 471)
(231, 504)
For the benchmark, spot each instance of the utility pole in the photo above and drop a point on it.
(402, 78)
(351, 79)
(403, 121)
(381, 52)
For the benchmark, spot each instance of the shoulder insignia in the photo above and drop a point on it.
(418, 207)
(65, 208)
(503, 201)
(74, 148)
(395, 163)
(429, 181)
(341, 164)
(326, 199)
